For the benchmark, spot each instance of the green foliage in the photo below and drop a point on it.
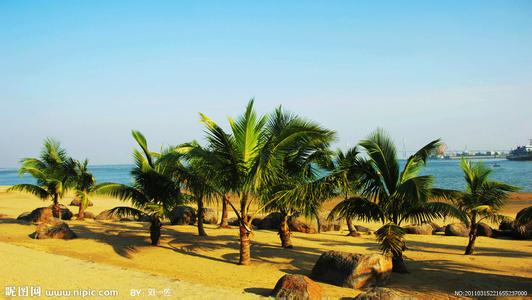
(391, 239)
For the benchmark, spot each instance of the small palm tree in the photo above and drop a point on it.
(251, 156)
(52, 171)
(154, 191)
(482, 199)
(391, 196)
(83, 184)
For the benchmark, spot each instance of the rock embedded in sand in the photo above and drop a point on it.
(209, 216)
(330, 226)
(38, 215)
(456, 229)
(298, 224)
(76, 202)
(361, 228)
(53, 229)
(106, 215)
(271, 221)
(183, 215)
(484, 229)
(66, 214)
(380, 293)
(87, 215)
(425, 229)
(297, 287)
(352, 270)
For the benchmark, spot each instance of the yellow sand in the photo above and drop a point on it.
(437, 264)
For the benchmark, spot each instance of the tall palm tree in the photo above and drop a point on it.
(52, 171)
(482, 199)
(251, 155)
(83, 183)
(154, 190)
(391, 196)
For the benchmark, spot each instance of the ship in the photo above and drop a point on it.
(521, 152)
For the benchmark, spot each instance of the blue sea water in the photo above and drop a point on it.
(447, 173)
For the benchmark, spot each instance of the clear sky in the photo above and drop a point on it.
(87, 72)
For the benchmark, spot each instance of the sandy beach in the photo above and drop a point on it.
(117, 255)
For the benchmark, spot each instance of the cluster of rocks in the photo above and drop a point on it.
(43, 214)
(356, 271)
(186, 215)
(49, 227)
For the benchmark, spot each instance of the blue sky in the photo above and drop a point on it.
(87, 72)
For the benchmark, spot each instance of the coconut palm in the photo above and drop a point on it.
(83, 183)
(52, 171)
(482, 199)
(154, 191)
(391, 196)
(251, 156)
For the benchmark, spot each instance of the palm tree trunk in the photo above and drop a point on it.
(318, 222)
(284, 231)
(398, 264)
(245, 251)
(56, 209)
(350, 226)
(81, 211)
(155, 230)
(201, 230)
(225, 213)
(470, 249)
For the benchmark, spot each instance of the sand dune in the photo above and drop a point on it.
(437, 264)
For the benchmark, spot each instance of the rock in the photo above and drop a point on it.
(522, 231)
(456, 229)
(209, 216)
(362, 229)
(425, 229)
(439, 229)
(352, 270)
(330, 226)
(380, 293)
(506, 225)
(66, 214)
(297, 287)
(271, 221)
(502, 233)
(144, 218)
(297, 224)
(183, 215)
(483, 229)
(38, 215)
(106, 216)
(87, 215)
(76, 202)
(54, 229)
(233, 221)
(256, 221)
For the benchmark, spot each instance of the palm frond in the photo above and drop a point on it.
(31, 189)
(357, 208)
(391, 239)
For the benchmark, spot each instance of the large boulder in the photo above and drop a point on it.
(484, 229)
(53, 229)
(106, 215)
(456, 229)
(209, 216)
(330, 226)
(380, 293)
(424, 228)
(66, 214)
(506, 225)
(183, 215)
(296, 223)
(352, 270)
(361, 228)
(271, 221)
(522, 231)
(256, 222)
(77, 202)
(87, 215)
(297, 287)
(38, 215)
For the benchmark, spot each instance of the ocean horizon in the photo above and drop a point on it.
(447, 173)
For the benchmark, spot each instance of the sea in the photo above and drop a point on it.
(447, 173)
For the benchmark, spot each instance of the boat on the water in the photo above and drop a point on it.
(521, 152)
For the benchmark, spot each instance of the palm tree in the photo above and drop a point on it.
(391, 197)
(482, 199)
(154, 190)
(251, 156)
(52, 171)
(83, 183)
